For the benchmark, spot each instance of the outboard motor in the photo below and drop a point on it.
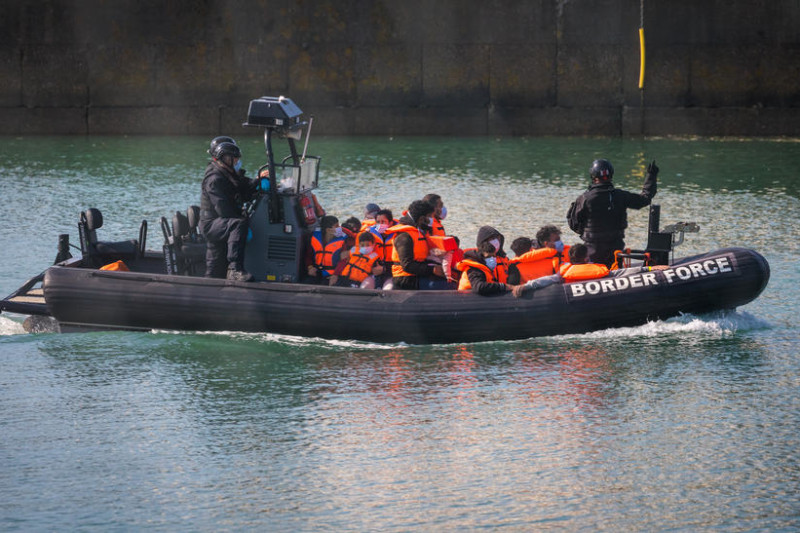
(282, 218)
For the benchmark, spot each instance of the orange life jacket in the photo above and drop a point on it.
(420, 247)
(570, 272)
(367, 223)
(539, 262)
(442, 242)
(323, 254)
(500, 272)
(437, 230)
(116, 265)
(359, 266)
(464, 266)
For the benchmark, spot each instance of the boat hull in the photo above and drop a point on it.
(91, 299)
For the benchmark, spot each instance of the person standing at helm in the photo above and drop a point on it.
(600, 215)
(225, 190)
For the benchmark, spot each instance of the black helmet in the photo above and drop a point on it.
(216, 140)
(226, 148)
(602, 170)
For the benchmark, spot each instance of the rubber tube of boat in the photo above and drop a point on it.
(641, 54)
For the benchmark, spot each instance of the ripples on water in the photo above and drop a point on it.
(687, 424)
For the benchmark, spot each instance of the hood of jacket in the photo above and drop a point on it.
(487, 233)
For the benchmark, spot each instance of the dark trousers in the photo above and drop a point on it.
(225, 240)
(603, 251)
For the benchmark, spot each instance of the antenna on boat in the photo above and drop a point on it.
(308, 136)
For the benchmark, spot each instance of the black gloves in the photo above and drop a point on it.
(652, 169)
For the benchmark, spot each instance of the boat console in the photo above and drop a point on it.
(282, 218)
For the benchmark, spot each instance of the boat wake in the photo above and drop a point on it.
(289, 340)
(10, 327)
(718, 324)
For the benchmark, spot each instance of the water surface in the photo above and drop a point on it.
(688, 424)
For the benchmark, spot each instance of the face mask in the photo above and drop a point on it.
(444, 213)
(430, 221)
(559, 244)
(491, 262)
(496, 244)
(338, 232)
(237, 166)
(365, 250)
(381, 227)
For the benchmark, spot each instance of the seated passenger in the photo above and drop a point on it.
(370, 212)
(384, 245)
(496, 239)
(363, 266)
(327, 247)
(477, 271)
(542, 261)
(410, 268)
(578, 269)
(439, 214)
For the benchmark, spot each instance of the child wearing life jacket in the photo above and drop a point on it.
(363, 264)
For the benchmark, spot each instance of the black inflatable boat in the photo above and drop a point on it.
(163, 289)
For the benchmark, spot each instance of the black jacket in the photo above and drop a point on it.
(600, 213)
(477, 278)
(224, 192)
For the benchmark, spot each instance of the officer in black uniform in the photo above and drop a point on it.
(225, 190)
(600, 216)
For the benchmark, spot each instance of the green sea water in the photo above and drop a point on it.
(688, 424)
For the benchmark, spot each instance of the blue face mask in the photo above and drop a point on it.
(444, 213)
(338, 232)
(559, 244)
(237, 166)
(491, 262)
(365, 250)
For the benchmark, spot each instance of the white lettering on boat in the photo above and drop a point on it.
(671, 276)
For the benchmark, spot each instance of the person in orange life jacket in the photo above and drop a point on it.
(370, 212)
(542, 261)
(445, 257)
(600, 214)
(351, 228)
(384, 245)
(225, 190)
(363, 265)
(327, 249)
(491, 235)
(410, 268)
(579, 269)
(439, 214)
(476, 271)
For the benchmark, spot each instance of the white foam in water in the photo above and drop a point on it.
(288, 339)
(10, 327)
(720, 324)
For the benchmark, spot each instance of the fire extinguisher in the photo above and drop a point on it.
(308, 210)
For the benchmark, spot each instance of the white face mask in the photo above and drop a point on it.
(496, 244)
(443, 215)
(381, 228)
(365, 250)
(338, 232)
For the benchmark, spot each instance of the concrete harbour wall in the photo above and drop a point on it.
(446, 67)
